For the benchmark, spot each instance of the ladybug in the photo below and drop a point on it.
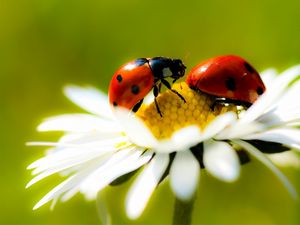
(230, 78)
(134, 80)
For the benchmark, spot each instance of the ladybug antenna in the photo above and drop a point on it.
(186, 56)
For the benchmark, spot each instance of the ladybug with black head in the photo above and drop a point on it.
(134, 80)
(230, 78)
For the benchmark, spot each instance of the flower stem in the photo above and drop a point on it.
(102, 208)
(182, 214)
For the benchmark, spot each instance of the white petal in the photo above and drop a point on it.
(184, 175)
(69, 137)
(111, 170)
(262, 158)
(221, 160)
(90, 180)
(149, 98)
(84, 150)
(190, 136)
(91, 144)
(270, 97)
(48, 172)
(286, 110)
(81, 138)
(88, 139)
(53, 204)
(166, 146)
(65, 186)
(90, 99)
(288, 106)
(134, 128)
(286, 136)
(219, 124)
(69, 194)
(64, 165)
(268, 76)
(180, 140)
(286, 159)
(78, 123)
(239, 130)
(69, 156)
(55, 192)
(48, 143)
(103, 208)
(290, 99)
(294, 123)
(145, 184)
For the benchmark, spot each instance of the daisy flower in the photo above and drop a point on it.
(104, 147)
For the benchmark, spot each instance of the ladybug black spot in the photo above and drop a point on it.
(230, 84)
(135, 89)
(259, 90)
(248, 67)
(115, 104)
(119, 78)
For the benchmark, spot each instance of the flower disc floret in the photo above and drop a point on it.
(197, 110)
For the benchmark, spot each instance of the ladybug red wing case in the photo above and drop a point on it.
(134, 80)
(130, 84)
(229, 77)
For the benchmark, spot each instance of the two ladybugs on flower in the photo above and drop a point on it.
(231, 79)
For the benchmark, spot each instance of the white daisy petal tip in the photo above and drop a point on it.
(90, 99)
(29, 184)
(53, 204)
(184, 175)
(72, 90)
(221, 161)
(286, 159)
(31, 166)
(78, 123)
(142, 189)
(268, 163)
(37, 206)
(269, 99)
(268, 76)
(292, 71)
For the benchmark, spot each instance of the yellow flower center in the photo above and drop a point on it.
(197, 110)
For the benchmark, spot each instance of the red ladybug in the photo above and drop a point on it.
(231, 78)
(134, 80)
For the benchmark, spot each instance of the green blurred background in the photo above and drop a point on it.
(45, 44)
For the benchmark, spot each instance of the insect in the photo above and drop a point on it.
(134, 80)
(230, 78)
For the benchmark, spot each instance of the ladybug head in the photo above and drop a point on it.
(163, 67)
(178, 68)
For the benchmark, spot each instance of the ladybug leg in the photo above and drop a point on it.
(156, 92)
(215, 102)
(157, 107)
(137, 106)
(224, 101)
(221, 101)
(159, 87)
(167, 84)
